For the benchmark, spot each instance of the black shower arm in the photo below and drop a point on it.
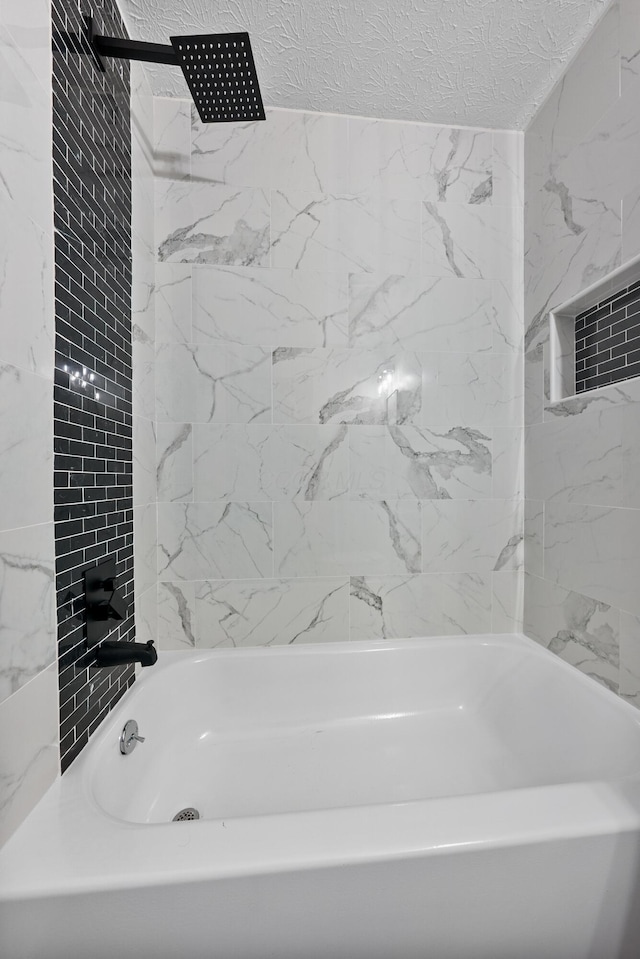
(135, 50)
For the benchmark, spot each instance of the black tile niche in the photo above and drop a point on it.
(92, 391)
(608, 340)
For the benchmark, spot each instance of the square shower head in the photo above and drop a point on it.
(222, 76)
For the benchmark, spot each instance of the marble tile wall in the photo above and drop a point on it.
(28, 675)
(339, 425)
(582, 182)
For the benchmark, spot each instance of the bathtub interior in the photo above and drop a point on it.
(265, 732)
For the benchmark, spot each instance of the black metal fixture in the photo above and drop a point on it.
(105, 606)
(119, 654)
(218, 67)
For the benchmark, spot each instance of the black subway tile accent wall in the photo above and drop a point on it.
(92, 391)
(608, 340)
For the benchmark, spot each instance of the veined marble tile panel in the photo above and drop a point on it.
(415, 161)
(26, 448)
(144, 373)
(534, 371)
(272, 612)
(630, 45)
(581, 630)
(174, 465)
(25, 125)
(508, 462)
(143, 281)
(630, 424)
(396, 607)
(176, 615)
(30, 27)
(171, 137)
(577, 459)
(172, 302)
(145, 540)
(28, 748)
(630, 658)
(27, 605)
(594, 550)
(431, 314)
(508, 314)
(213, 384)
(233, 154)
(346, 386)
(470, 241)
(269, 307)
(507, 601)
(141, 109)
(478, 391)
(471, 536)
(308, 151)
(270, 462)
(26, 290)
(631, 224)
(346, 538)
(144, 461)
(200, 222)
(147, 615)
(534, 536)
(356, 234)
(508, 167)
(408, 462)
(214, 541)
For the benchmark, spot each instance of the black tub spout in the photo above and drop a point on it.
(112, 653)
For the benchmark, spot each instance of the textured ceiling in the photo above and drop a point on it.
(469, 62)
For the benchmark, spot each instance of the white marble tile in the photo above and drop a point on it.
(176, 615)
(143, 280)
(28, 748)
(415, 463)
(397, 607)
(25, 128)
(630, 45)
(30, 28)
(576, 458)
(27, 605)
(508, 167)
(430, 314)
(147, 615)
(582, 631)
(346, 386)
(467, 240)
(471, 536)
(174, 466)
(357, 234)
(308, 151)
(534, 385)
(534, 536)
(272, 612)
(594, 550)
(507, 601)
(141, 109)
(631, 224)
(214, 541)
(172, 302)
(508, 315)
(351, 538)
(26, 448)
(144, 373)
(237, 154)
(479, 391)
(269, 307)
(200, 222)
(144, 461)
(171, 138)
(459, 165)
(213, 384)
(508, 462)
(145, 538)
(270, 462)
(630, 436)
(630, 658)
(26, 291)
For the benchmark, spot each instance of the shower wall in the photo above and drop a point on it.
(582, 220)
(338, 379)
(28, 674)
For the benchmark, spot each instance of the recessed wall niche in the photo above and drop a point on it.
(595, 337)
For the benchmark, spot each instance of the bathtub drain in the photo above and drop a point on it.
(185, 814)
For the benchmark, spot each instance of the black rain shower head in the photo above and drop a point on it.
(218, 67)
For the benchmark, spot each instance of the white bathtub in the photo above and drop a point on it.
(451, 798)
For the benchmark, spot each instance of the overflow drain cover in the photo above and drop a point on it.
(185, 814)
